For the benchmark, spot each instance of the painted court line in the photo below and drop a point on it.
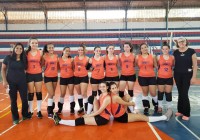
(154, 131)
(5, 108)
(19, 121)
(187, 128)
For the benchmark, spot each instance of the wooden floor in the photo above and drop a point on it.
(45, 129)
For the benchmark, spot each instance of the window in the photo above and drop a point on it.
(186, 12)
(146, 13)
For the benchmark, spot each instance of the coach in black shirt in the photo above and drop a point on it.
(185, 71)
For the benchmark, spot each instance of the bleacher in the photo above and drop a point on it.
(91, 39)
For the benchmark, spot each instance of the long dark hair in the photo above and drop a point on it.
(96, 48)
(165, 44)
(45, 48)
(29, 47)
(22, 55)
(69, 56)
(107, 85)
(141, 47)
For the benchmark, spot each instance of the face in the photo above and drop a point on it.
(127, 48)
(114, 89)
(144, 49)
(111, 49)
(18, 50)
(66, 52)
(165, 50)
(34, 44)
(80, 50)
(50, 48)
(97, 51)
(181, 43)
(103, 87)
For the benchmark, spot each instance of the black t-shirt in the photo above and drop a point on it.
(15, 69)
(183, 61)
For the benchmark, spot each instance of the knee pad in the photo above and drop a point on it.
(39, 95)
(121, 94)
(30, 96)
(79, 121)
(130, 92)
(160, 95)
(94, 93)
(146, 103)
(91, 99)
(168, 96)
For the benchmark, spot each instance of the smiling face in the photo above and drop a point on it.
(103, 87)
(127, 48)
(97, 51)
(66, 52)
(50, 48)
(110, 50)
(81, 51)
(114, 88)
(144, 49)
(34, 44)
(165, 50)
(182, 42)
(18, 50)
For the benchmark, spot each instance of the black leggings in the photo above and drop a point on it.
(183, 85)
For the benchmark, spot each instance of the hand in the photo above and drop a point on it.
(133, 103)
(193, 80)
(5, 84)
(86, 115)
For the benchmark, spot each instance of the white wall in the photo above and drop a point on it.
(116, 25)
(185, 24)
(65, 26)
(26, 26)
(133, 25)
(2, 27)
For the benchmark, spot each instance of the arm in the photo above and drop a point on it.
(136, 60)
(3, 73)
(155, 62)
(194, 63)
(106, 102)
(122, 102)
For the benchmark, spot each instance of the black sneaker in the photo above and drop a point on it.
(146, 111)
(50, 116)
(28, 117)
(56, 118)
(81, 110)
(39, 115)
(30, 114)
(15, 122)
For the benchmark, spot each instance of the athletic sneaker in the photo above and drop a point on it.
(50, 116)
(29, 116)
(81, 110)
(56, 118)
(146, 111)
(16, 122)
(39, 115)
(169, 114)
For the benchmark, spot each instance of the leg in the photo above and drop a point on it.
(160, 97)
(51, 92)
(145, 99)
(152, 89)
(84, 87)
(30, 96)
(94, 89)
(63, 89)
(130, 92)
(13, 98)
(71, 98)
(38, 87)
(80, 98)
(122, 86)
(168, 95)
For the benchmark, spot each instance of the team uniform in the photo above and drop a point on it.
(118, 111)
(147, 77)
(165, 77)
(98, 71)
(111, 69)
(165, 73)
(127, 68)
(66, 78)
(34, 74)
(51, 68)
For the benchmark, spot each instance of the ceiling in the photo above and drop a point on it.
(23, 5)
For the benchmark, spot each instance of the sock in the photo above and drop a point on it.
(169, 104)
(155, 99)
(71, 98)
(160, 103)
(89, 109)
(50, 102)
(30, 104)
(156, 119)
(62, 100)
(67, 122)
(39, 103)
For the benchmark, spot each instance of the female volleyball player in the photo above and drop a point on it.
(111, 65)
(97, 63)
(119, 112)
(66, 79)
(146, 63)
(81, 77)
(165, 76)
(128, 77)
(34, 75)
(50, 61)
(185, 71)
(101, 111)
(14, 79)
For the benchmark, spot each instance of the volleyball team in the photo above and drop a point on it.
(111, 74)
